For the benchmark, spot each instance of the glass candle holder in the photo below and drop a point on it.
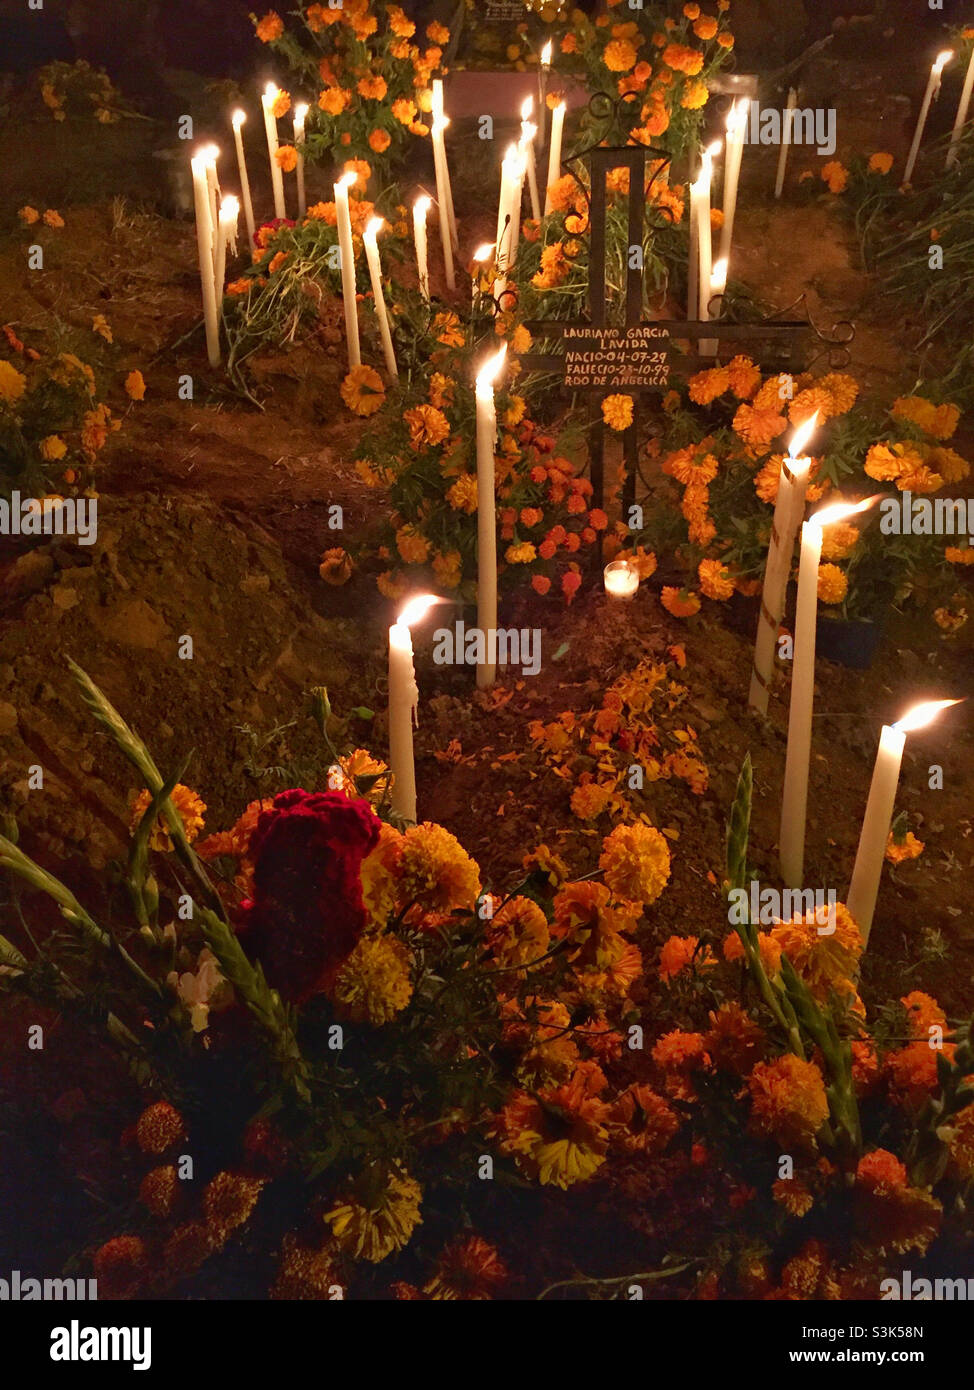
(621, 579)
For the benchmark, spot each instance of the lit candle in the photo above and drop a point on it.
(528, 132)
(508, 216)
(238, 119)
(621, 579)
(438, 127)
(962, 108)
(271, 94)
(439, 163)
(794, 800)
(736, 130)
(933, 89)
(300, 114)
(786, 133)
(480, 258)
(403, 703)
(788, 509)
(718, 284)
(700, 209)
(554, 151)
(204, 243)
(348, 266)
(211, 154)
(420, 209)
(226, 237)
(375, 274)
(486, 513)
(864, 889)
(543, 72)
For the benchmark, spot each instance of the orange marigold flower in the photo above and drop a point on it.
(159, 1127)
(334, 100)
(286, 158)
(792, 1194)
(620, 55)
(336, 566)
(540, 583)
(188, 807)
(715, 581)
(907, 847)
(372, 88)
(832, 584)
(788, 1100)
(680, 603)
(379, 140)
(939, 421)
(271, 27)
(836, 175)
(363, 391)
(880, 1171)
(54, 219)
(880, 162)
(427, 426)
(635, 861)
(679, 954)
(135, 386)
(924, 1013)
(469, 1268)
(590, 800)
(642, 1121)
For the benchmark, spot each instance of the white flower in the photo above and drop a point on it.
(198, 991)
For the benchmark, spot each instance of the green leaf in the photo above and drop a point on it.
(362, 712)
(738, 827)
(561, 651)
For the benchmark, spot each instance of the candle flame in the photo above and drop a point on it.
(238, 118)
(943, 59)
(838, 511)
(718, 276)
(482, 253)
(490, 370)
(528, 132)
(922, 714)
(374, 227)
(347, 179)
(271, 92)
(300, 112)
(527, 107)
(546, 55)
(714, 148)
(417, 608)
(561, 106)
(422, 205)
(230, 207)
(801, 436)
(736, 116)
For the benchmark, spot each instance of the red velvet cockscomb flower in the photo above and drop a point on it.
(306, 914)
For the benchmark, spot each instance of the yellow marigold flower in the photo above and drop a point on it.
(620, 55)
(838, 540)
(374, 982)
(836, 175)
(228, 1201)
(520, 554)
(885, 462)
(389, 585)
(920, 479)
(100, 325)
(939, 421)
(335, 567)
(413, 547)
(427, 426)
(518, 933)
(880, 162)
(436, 871)
(557, 1137)
(826, 960)
(446, 329)
(363, 391)
(135, 386)
(590, 800)
(54, 448)
(842, 388)
(188, 807)
(159, 1127)
(908, 847)
(441, 390)
(832, 584)
(448, 569)
(12, 383)
(282, 105)
(28, 215)
(788, 1100)
(378, 1215)
(520, 339)
(715, 582)
(462, 495)
(159, 1190)
(635, 861)
(54, 219)
(380, 875)
(949, 621)
(617, 412)
(271, 27)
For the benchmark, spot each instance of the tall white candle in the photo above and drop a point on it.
(718, 284)
(700, 210)
(271, 93)
(348, 266)
(794, 800)
(300, 115)
(528, 131)
(439, 163)
(204, 243)
(933, 90)
(486, 513)
(543, 73)
(226, 238)
(554, 151)
(440, 121)
(420, 209)
(403, 703)
(864, 888)
(789, 506)
(962, 109)
(786, 134)
(375, 274)
(736, 130)
(211, 154)
(508, 216)
(238, 119)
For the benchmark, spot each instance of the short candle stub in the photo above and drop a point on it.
(621, 581)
